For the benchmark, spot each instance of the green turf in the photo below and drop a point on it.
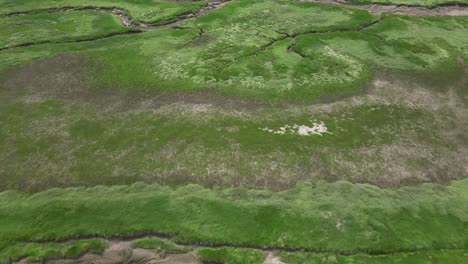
(34, 252)
(57, 27)
(324, 216)
(146, 11)
(228, 255)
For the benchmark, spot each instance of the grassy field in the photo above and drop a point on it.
(57, 27)
(146, 11)
(317, 133)
(270, 59)
(50, 144)
(424, 3)
(315, 216)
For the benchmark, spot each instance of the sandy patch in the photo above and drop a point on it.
(317, 128)
(272, 259)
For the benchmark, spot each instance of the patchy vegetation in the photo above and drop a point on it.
(301, 101)
(34, 252)
(141, 11)
(59, 145)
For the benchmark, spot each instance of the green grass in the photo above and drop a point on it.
(94, 113)
(228, 255)
(35, 252)
(197, 66)
(440, 31)
(57, 27)
(49, 144)
(140, 11)
(162, 245)
(443, 256)
(424, 3)
(325, 216)
(248, 49)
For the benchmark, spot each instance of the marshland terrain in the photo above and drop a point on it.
(243, 131)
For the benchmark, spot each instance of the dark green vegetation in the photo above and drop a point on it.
(226, 100)
(336, 217)
(231, 255)
(36, 252)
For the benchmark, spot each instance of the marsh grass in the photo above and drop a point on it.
(346, 217)
(34, 252)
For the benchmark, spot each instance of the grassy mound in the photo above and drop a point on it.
(335, 217)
